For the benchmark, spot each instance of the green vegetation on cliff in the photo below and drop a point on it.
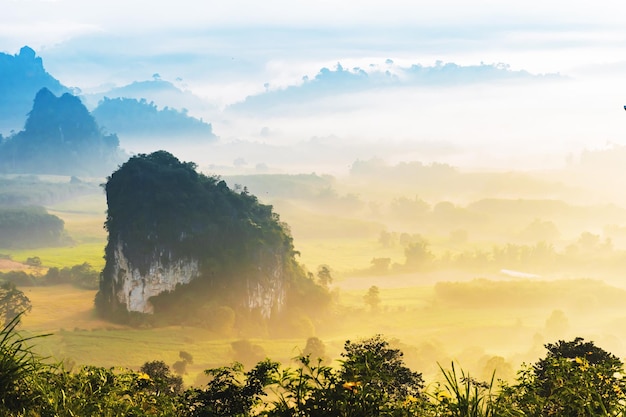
(161, 211)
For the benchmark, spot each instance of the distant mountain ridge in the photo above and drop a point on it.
(127, 111)
(333, 82)
(163, 93)
(60, 137)
(131, 118)
(21, 77)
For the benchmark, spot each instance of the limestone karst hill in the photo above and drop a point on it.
(60, 137)
(184, 247)
(21, 76)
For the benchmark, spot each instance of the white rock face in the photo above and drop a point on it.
(267, 290)
(136, 289)
(267, 293)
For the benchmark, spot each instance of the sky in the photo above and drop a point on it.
(573, 51)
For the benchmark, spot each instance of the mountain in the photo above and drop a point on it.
(21, 77)
(339, 81)
(182, 246)
(161, 92)
(60, 137)
(137, 119)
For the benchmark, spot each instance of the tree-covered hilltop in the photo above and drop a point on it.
(60, 137)
(21, 76)
(139, 119)
(30, 226)
(182, 244)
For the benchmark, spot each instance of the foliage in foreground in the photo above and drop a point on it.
(574, 379)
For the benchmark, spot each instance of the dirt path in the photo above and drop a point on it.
(9, 265)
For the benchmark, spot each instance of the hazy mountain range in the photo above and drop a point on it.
(21, 77)
(58, 135)
(321, 123)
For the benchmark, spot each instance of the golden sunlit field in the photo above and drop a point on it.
(478, 288)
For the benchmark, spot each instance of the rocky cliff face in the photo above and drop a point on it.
(267, 290)
(135, 288)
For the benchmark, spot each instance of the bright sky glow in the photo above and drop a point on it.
(225, 51)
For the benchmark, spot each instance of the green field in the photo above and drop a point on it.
(426, 327)
(428, 331)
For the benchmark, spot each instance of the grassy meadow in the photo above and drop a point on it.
(456, 305)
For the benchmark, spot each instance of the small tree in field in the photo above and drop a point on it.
(12, 302)
(162, 379)
(315, 349)
(372, 298)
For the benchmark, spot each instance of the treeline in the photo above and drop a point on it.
(588, 254)
(28, 190)
(81, 276)
(128, 116)
(575, 378)
(530, 293)
(29, 226)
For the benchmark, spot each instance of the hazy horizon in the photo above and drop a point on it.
(532, 84)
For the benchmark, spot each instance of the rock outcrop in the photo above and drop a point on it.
(136, 288)
(183, 240)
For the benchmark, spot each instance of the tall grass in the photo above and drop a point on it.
(19, 368)
(464, 396)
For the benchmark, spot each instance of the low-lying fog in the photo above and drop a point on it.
(511, 124)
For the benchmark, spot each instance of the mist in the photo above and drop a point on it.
(460, 181)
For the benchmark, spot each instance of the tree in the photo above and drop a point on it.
(185, 356)
(380, 265)
(372, 380)
(246, 352)
(33, 261)
(180, 367)
(163, 382)
(372, 298)
(315, 349)
(231, 392)
(418, 255)
(13, 302)
(575, 378)
(376, 375)
(324, 276)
